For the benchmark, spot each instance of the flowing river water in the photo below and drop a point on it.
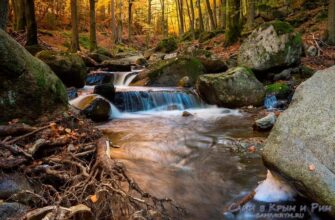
(203, 161)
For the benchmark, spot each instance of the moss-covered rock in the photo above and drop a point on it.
(170, 72)
(235, 88)
(69, 67)
(29, 88)
(273, 44)
(167, 45)
(280, 90)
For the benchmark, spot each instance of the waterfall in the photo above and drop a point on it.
(123, 78)
(118, 78)
(270, 102)
(134, 101)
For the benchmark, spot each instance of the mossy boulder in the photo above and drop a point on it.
(301, 145)
(170, 72)
(235, 88)
(69, 67)
(29, 88)
(272, 45)
(167, 45)
(280, 90)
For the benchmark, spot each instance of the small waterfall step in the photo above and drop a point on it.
(118, 78)
(160, 99)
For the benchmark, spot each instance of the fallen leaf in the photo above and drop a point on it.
(68, 130)
(311, 167)
(94, 198)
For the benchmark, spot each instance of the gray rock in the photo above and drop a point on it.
(117, 65)
(11, 184)
(235, 88)
(12, 210)
(284, 75)
(312, 51)
(266, 123)
(303, 139)
(274, 44)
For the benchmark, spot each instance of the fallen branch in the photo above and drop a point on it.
(15, 129)
(27, 135)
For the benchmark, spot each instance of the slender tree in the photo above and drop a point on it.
(3, 14)
(130, 19)
(120, 25)
(31, 23)
(201, 20)
(181, 16)
(74, 22)
(233, 28)
(149, 12)
(114, 34)
(93, 31)
(20, 18)
(190, 18)
(163, 18)
(215, 13)
(251, 14)
(223, 13)
(210, 14)
(331, 22)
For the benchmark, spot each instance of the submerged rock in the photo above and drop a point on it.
(235, 88)
(70, 68)
(98, 78)
(28, 86)
(274, 44)
(93, 106)
(170, 72)
(303, 138)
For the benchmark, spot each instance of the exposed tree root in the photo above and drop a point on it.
(68, 162)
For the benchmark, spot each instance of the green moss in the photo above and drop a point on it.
(277, 88)
(280, 27)
(167, 45)
(297, 40)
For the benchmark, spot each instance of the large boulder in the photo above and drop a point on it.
(93, 106)
(273, 44)
(301, 145)
(235, 88)
(170, 72)
(29, 88)
(69, 67)
(213, 65)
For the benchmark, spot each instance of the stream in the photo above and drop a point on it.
(201, 161)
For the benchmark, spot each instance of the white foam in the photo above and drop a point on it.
(274, 189)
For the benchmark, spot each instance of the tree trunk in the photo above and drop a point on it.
(210, 14)
(201, 20)
(74, 22)
(113, 21)
(93, 31)
(223, 13)
(130, 19)
(31, 23)
(190, 18)
(232, 21)
(3, 14)
(251, 14)
(181, 16)
(163, 18)
(331, 22)
(120, 25)
(149, 11)
(20, 17)
(192, 13)
(215, 13)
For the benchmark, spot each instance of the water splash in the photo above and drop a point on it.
(270, 102)
(274, 189)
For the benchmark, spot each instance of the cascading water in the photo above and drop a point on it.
(118, 78)
(270, 102)
(134, 101)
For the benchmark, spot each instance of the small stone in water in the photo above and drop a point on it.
(187, 114)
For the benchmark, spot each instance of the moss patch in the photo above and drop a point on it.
(281, 27)
(277, 88)
(167, 45)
